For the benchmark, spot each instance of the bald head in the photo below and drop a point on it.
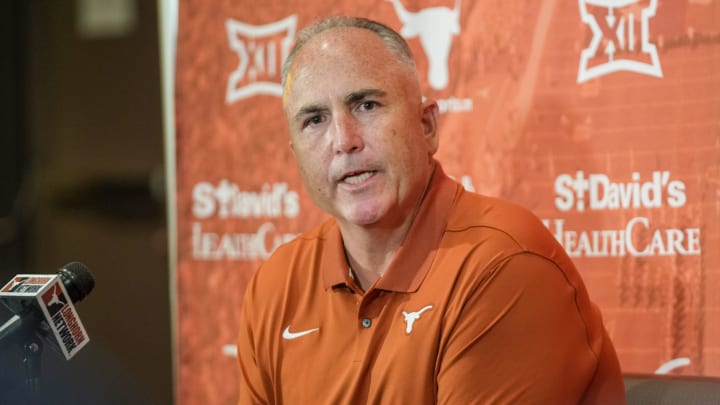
(393, 41)
(345, 63)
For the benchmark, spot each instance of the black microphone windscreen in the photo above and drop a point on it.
(77, 279)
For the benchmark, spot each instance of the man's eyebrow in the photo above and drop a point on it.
(309, 109)
(359, 95)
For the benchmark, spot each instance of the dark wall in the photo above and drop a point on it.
(82, 167)
(13, 151)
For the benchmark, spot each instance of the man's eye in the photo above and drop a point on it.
(368, 105)
(314, 120)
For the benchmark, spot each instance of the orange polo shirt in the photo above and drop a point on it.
(480, 305)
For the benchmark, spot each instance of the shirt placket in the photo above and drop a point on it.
(369, 308)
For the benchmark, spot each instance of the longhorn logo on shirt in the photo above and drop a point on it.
(411, 317)
(261, 51)
(436, 27)
(624, 22)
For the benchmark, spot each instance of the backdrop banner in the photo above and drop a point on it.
(601, 116)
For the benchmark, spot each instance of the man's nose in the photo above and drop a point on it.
(347, 134)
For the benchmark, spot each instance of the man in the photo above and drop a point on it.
(416, 291)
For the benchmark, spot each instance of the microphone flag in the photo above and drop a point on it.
(46, 293)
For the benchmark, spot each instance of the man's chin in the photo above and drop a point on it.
(361, 216)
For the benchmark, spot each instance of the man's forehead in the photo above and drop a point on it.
(341, 61)
(330, 58)
(350, 44)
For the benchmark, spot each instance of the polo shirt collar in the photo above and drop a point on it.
(412, 261)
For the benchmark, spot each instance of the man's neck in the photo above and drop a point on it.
(371, 249)
(369, 252)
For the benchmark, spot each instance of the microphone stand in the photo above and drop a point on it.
(32, 361)
(21, 331)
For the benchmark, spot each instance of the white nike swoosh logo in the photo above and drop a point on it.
(294, 335)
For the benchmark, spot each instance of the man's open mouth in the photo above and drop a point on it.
(358, 177)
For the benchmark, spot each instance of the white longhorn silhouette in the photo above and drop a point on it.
(411, 317)
(55, 298)
(436, 27)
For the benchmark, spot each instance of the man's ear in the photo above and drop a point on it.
(430, 113)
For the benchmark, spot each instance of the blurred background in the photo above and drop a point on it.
(81, 169)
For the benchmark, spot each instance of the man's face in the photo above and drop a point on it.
(362, 137)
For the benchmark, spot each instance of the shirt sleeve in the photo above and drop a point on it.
(520, 337)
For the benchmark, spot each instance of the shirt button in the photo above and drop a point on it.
(366, 323)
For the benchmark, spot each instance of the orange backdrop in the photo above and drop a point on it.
(601, 116)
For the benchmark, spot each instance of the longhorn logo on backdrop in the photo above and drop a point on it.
(436, 27)
(621, 51)
(261, 51)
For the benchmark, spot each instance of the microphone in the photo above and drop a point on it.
(43, 307)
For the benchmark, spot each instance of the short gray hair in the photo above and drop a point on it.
(395, 43)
